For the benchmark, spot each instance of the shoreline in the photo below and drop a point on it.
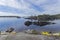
(25, 36)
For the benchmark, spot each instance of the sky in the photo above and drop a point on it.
(29, 7)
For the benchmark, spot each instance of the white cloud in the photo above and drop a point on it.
(10, 14)
(11, 3)
(52, 9)
(37, 2)
(50, 6)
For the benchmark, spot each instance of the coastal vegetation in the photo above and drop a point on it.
(41, 20)
(44, 17)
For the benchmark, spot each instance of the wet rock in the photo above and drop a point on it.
(28, 23)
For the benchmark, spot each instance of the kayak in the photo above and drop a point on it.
(50, 34)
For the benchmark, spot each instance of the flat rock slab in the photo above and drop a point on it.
(3, 37)
(23, 36)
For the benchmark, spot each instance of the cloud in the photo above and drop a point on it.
(30, 7)
(52, 8)
(44, 6)
(33, 6)
(10, 9)
(10, 14)
(49, 6)
(11, 3)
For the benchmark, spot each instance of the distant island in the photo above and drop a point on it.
(11, 16)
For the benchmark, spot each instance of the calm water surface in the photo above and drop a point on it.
(18, 24)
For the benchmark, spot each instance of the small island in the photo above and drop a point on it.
(42, 20)
(44, 17)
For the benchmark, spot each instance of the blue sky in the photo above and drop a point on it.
(29, 7)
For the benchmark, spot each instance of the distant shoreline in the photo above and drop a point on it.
(11, 16)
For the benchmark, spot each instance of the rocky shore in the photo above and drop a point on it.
(25, 36)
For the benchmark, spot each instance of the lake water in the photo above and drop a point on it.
(18, 24)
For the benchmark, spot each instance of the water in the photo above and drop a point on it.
(18, 25)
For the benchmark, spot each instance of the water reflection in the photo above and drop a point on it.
(28, 23)
(24, 24)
